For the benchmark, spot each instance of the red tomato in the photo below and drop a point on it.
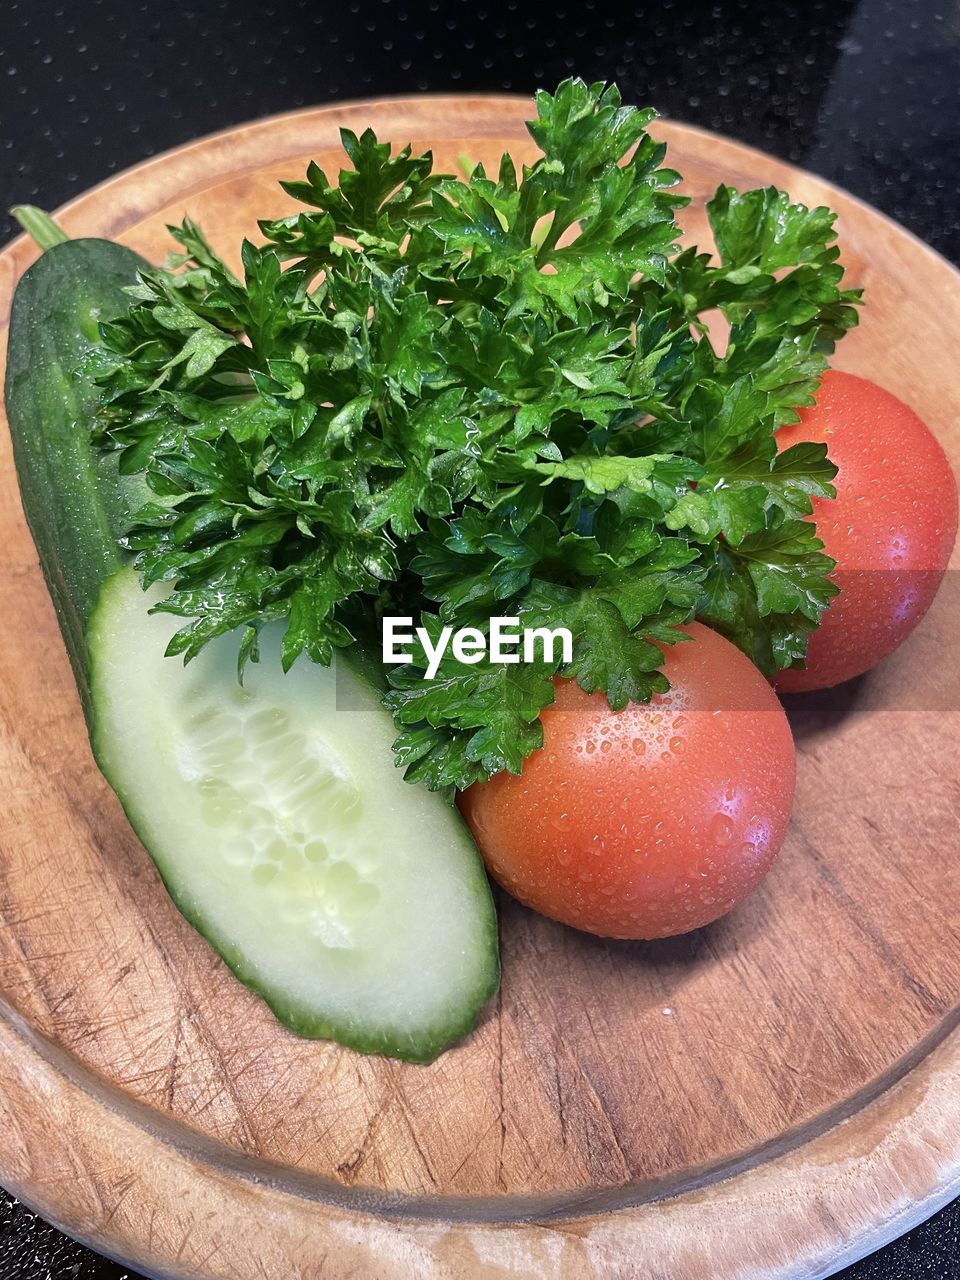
(891, 527)
(649, 821)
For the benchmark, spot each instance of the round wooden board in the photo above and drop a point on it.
(769, 1097)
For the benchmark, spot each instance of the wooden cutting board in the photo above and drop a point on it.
(769, 1097)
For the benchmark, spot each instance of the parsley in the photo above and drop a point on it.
(457, 397)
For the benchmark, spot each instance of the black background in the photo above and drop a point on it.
(867, 94)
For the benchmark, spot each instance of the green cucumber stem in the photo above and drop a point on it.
(39, 225)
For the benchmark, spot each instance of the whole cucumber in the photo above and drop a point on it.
(353, 902)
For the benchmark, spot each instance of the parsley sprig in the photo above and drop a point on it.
(458, 398)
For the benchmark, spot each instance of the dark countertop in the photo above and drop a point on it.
(867, 94)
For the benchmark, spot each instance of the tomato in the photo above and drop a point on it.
(649, 821)
(891, 527)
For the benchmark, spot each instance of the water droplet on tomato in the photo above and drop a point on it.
(721, 829)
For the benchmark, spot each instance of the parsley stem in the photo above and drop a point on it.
(557, 227)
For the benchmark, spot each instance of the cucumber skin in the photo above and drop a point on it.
(76, 504)
(73, 497)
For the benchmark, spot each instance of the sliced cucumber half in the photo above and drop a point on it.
(353, 902)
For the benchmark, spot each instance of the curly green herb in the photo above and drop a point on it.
(452, 398)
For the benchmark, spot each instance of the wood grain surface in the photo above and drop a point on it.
(765, 1098)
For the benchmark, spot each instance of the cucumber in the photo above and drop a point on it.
(353, 902)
